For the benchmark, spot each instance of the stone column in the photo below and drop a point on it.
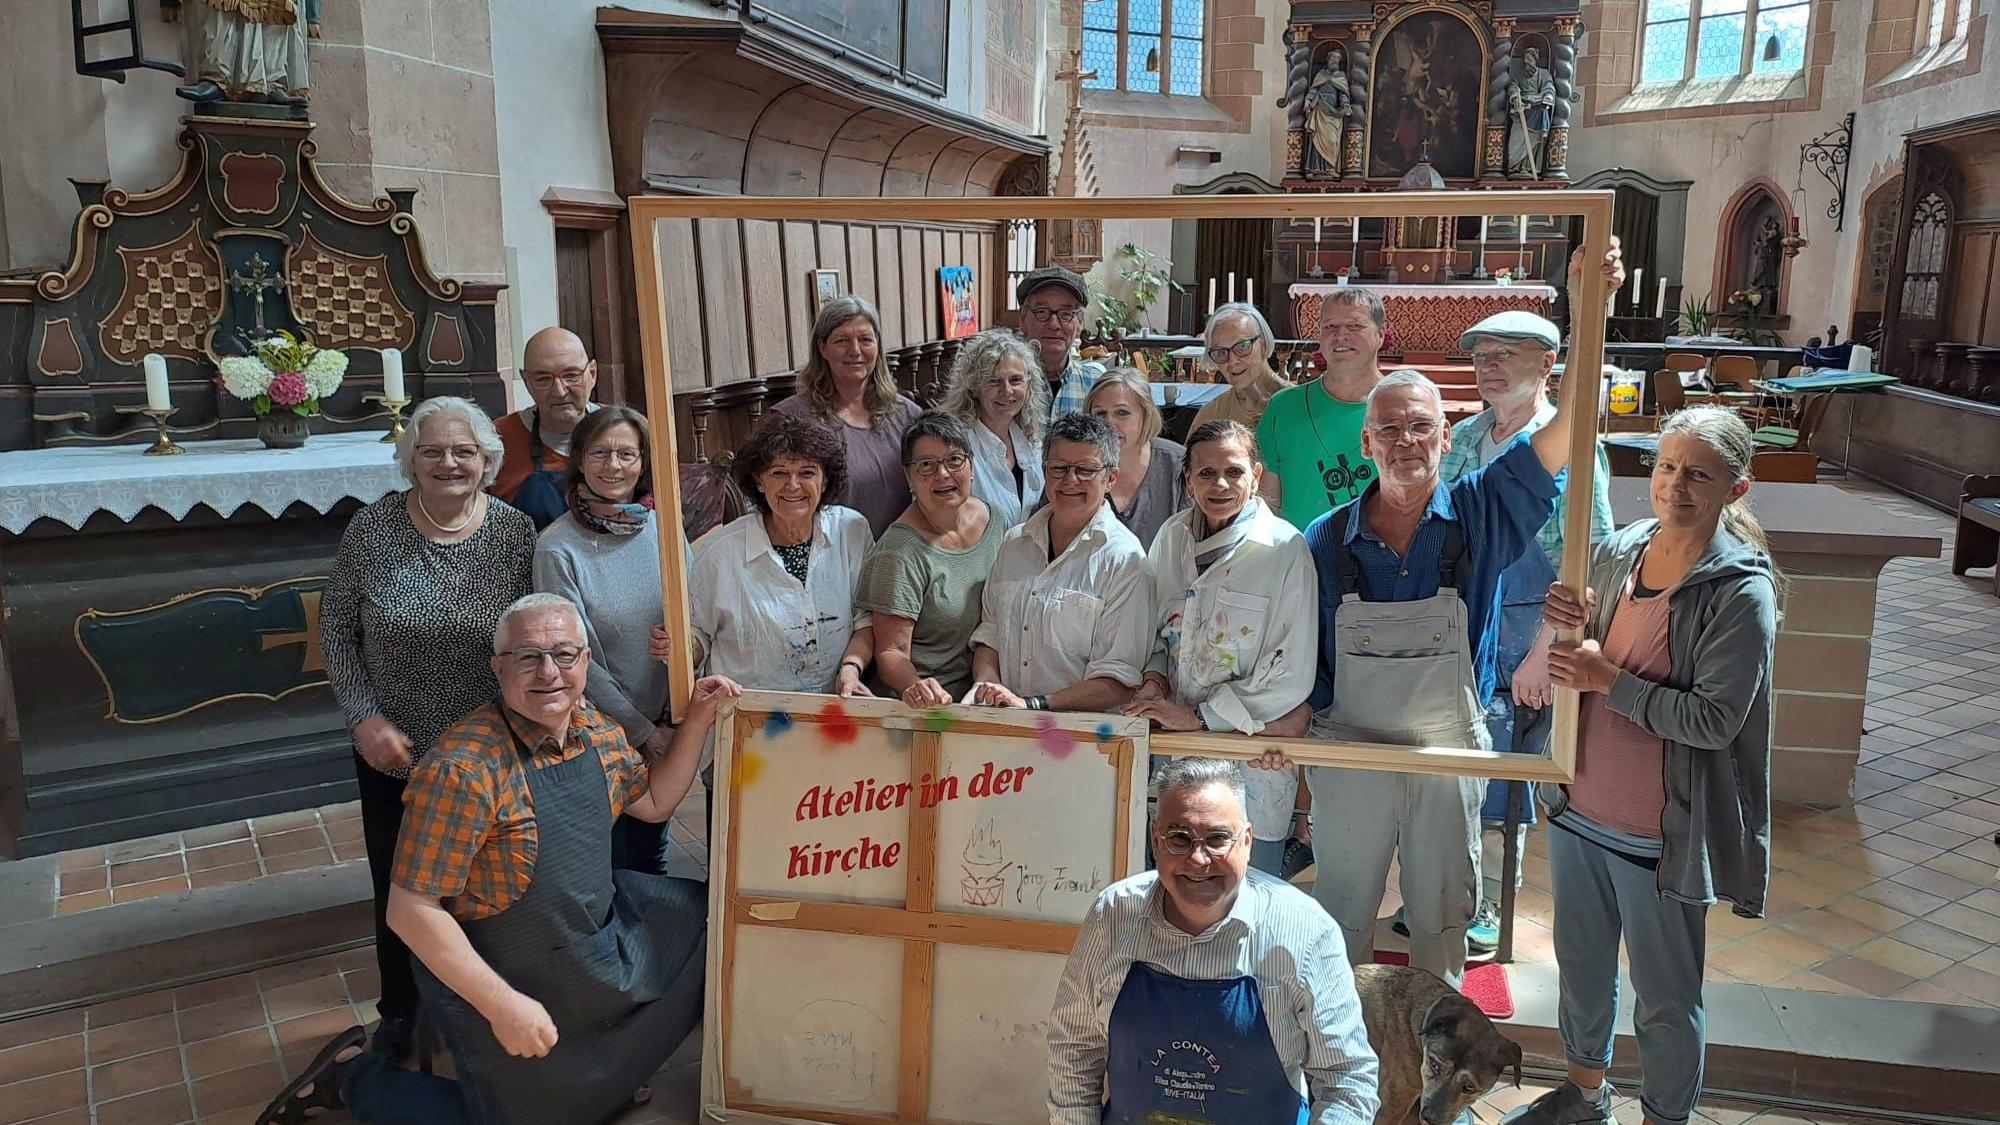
(1360, 61)
(1298, 74)
(1497, 84)
(1564, 73)
(1985, 381)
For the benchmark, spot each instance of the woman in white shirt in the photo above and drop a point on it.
(1234, 650)
(997, 390)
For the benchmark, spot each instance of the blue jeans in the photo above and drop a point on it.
(379, 1092)
(1268, 856)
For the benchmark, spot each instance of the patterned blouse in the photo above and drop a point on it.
(406, 624)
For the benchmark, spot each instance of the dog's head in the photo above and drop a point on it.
(1464, 1056)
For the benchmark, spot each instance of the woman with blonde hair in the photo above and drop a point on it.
(1148, 487)
(846, 386)
(1670, 810)
(1238, 343)
(995, 389)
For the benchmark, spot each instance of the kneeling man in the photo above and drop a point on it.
(1207, 991)
(559, 984)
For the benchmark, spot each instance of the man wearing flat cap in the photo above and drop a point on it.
(1053, 301)
(1512, 354)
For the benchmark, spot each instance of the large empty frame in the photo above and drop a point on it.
(650, 214)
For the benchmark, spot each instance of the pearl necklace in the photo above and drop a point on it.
(462, 524)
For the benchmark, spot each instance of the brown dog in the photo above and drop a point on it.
(1439, 1053)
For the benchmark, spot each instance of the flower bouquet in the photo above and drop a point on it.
(283, 380)
(1342, 275)
(1503, 276)
(1747, 306)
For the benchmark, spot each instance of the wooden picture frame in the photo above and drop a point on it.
(824, 285)
(1584, 366)
(797, 766)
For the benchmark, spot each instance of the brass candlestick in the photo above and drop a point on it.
(163, 446)
(395, 406)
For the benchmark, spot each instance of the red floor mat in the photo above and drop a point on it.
(1485, 985)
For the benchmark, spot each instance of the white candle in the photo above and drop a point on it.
(1521, 225)
(1660, 304)
(157, 397)
(1354, 227)
(1315, 232)
(1636, 275)
(1211, 296)
(1232, 285)
(392, 373)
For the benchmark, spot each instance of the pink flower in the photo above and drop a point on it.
(288, 388)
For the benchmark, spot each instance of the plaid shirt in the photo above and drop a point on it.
(468, 834)
(1463, 457)
(1078, 378)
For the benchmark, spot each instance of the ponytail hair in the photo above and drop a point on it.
(1721, 430)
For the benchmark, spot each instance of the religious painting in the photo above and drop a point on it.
(961, 306)
(1428, 74)
(824, 286)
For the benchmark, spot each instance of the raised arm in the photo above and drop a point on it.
(1551, 442)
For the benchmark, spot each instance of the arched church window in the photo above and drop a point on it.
(1145, 46)
(1923, 263)
(1704, 39)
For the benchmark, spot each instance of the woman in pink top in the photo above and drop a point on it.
(1670, 809)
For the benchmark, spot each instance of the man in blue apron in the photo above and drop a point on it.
(560, 376)
(1513, 354)
(1409, 646)
(559, 985)
(1206, 991)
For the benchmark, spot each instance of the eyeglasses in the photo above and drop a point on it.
(1064, 316)
(612, 456)
(527, 660)
(544, 381)
(1179, 841)
(432, 454)
(1084, 473)
(1418, 431)
(929, 466)
(1493, 355)
(1241, 347)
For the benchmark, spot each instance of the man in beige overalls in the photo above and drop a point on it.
(1409, 577)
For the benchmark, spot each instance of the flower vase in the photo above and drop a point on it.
(282, 429)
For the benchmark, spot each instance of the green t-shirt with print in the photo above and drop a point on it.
(1312, 440)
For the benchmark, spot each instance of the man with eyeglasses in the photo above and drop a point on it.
(560, 376)
(1053, 301)
(1066, 618)
(1409, 592)
(1310, 435)
(1206, 990)
(1513, 354)
(559, 986)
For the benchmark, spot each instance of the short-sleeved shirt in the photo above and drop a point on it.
(876, 484)
(468, 834)
(1226, 407)
(911, 577)
(1312, 440)
(1498, 508)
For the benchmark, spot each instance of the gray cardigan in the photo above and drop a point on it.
(1713, 713)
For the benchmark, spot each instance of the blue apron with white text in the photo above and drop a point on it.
(1194, 1052)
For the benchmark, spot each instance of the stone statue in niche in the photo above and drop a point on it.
(245, 50)
(1327, 103)
(1531, 101)
(1765, 255)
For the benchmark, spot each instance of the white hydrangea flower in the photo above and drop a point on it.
(245, 376)
(324, 373)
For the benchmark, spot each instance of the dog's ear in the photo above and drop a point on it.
(1442, 1017)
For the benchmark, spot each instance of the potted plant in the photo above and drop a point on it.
(1503, 276)
(1340, 276)
(1696, 316)
(283, 379)
(1123, 288)
(1747, 306)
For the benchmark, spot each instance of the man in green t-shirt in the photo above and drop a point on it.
(1310, 435)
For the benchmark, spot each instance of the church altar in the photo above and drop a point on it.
(1428, 319)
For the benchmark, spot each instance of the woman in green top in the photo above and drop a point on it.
(923, 578)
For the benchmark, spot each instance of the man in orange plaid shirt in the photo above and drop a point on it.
(560, 985)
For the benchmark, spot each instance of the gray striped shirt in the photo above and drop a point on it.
(1274, 933)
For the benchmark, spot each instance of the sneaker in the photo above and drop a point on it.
(1483, 935)
(1400, 924)
(1565, 1105)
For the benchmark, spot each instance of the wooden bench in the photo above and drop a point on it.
(1977, 542)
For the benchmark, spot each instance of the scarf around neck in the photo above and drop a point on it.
(609, 517)
(1221, 542)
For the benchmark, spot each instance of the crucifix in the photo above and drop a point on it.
(255, 283)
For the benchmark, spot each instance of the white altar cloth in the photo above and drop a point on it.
(70, 484)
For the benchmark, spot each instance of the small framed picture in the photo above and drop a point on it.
(961, 310)
(825, 286)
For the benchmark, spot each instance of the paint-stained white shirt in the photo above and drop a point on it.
(1274, 933)
(760, 626)
(993, 481)
(1087, 614)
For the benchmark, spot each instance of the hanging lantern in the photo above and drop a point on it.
(126, 39)
(1795, 238)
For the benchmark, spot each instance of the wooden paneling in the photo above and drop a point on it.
(800, 256)
(888, 273)
(719, 249)
(680, 299)
(764, 289)
(861, 261)
(916, 326)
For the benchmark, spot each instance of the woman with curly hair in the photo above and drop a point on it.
(995, 390)
(846, 386)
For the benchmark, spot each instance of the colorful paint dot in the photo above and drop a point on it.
(777, 723)
(838, 726)
(937, 720)
(1055, 742)
(1104, 732)
(749, 767)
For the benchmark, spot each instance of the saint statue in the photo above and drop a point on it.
(245, 50)
(1531, 102)
(1765, 255)
(1327, 104)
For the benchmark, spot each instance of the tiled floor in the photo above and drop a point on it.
(92, 878)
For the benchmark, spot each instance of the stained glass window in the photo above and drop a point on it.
(1665, 57)
(1708, 39)
(1785, 23)
(1145, 46)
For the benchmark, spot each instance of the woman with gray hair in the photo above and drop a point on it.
(1238, 343)
(1148, 488)
(406, 627)
(995, 390)
(845, 385)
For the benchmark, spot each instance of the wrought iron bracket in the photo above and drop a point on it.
(1827, 154)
